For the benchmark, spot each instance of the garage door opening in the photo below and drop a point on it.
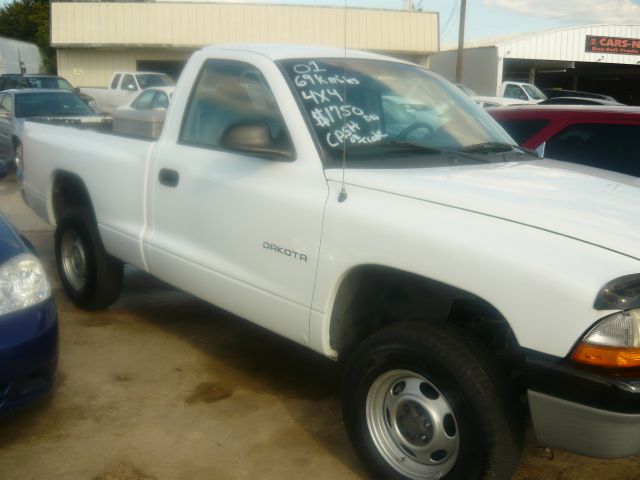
(173, 68)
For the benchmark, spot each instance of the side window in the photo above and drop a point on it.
(143, 101)
(7, 103)
(514, 91)
(128, 83)
(523, 130)
(609, 146)
(114, 82)
(229, 93)
(160, 101)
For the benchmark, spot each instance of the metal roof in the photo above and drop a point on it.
(566, 44)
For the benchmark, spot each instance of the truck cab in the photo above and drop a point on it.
(525, 92)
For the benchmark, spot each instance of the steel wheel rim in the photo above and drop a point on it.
(412, 425)
(74, 259)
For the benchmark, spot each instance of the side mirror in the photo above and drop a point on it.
(254, 138)
(540, 150)
(77, 90)
(3, 170)
(132, 87)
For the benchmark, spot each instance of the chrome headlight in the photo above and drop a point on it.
(618, 330)
(23, 282)
(613, 342)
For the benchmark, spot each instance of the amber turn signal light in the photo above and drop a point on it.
(608, 357)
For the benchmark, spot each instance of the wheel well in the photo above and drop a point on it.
(372, 297)
(69, 191)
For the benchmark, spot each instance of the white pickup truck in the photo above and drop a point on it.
(512, 93)
(123, 87)
(366, 208)
(525, 92)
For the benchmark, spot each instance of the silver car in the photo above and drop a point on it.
(49, 105)
(144, 116)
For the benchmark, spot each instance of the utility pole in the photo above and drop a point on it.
(463, 12)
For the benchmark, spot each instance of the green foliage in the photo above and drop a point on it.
(28, 20)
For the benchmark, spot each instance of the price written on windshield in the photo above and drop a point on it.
(326, 94)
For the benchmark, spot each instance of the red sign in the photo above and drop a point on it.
(618, 45)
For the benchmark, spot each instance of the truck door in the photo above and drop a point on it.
(128, 89)
(240, 230)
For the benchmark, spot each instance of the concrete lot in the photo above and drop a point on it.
(163, 386)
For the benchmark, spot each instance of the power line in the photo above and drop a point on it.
(486, 27)
(450, 20)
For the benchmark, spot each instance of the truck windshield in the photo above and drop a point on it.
(148, 80)
(389, 110)
(50, 104)
(534, 92)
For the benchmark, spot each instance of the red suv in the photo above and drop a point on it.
(603, 137)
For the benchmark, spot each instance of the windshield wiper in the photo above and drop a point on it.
(412, 145)
(489, 147)
(431, 149)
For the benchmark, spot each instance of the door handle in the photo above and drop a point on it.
(168, 177)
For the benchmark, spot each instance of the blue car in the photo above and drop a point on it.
(28, 322)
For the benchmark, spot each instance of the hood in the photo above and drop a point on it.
(10, 243)
(588, 204)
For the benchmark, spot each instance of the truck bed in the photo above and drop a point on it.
(113, 168)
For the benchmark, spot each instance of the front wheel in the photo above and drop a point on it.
(421, 402)
(91, 278)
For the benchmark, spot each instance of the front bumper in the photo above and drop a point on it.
(585, 410)
(581, 429)
(28, 355)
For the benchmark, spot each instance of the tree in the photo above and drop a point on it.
(28, 20)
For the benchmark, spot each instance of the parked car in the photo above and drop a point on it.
(28, 322)
(452, 272)
(557, 92)
(124, 87)
(466, 89)
(489, 102)
(579, 101)
(144, 116)
(604, 137)
(53, 105)
(18, 81)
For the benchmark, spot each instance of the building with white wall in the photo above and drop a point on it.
(597, 58)
(95, 39)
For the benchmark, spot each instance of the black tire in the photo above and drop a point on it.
(395, 381)
(94, 280)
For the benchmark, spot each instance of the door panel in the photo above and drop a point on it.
(240, 231)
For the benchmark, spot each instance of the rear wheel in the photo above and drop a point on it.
(91, 278)
(420, 401)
